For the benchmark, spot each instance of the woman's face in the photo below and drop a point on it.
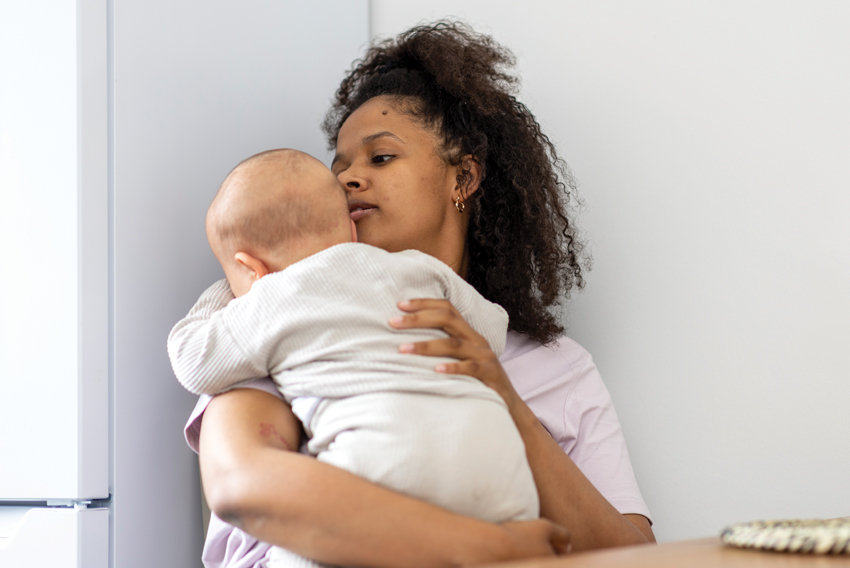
(399, 189)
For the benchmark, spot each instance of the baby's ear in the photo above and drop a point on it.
(254, 265)
(353, 231)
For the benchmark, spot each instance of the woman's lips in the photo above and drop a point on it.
(359, 209)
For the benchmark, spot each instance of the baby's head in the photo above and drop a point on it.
(272, 210)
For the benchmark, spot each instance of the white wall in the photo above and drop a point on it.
(711, 141)
(53, 233)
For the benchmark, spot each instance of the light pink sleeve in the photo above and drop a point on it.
(563, 388)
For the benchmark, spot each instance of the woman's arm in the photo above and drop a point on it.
(567, 497)
(252, 481)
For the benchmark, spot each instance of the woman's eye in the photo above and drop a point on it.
(381, 158)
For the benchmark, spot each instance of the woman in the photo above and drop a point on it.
(436, 155)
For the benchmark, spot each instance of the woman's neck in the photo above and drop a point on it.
(458, 261)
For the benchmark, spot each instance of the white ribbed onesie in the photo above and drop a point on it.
(320, 329)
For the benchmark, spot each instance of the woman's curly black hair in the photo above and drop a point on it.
(523, 250)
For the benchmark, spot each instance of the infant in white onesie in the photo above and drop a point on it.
(312, 311)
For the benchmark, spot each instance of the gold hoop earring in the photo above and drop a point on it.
(460, 205)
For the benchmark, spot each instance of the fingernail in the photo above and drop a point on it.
(405, 347)
(440, 368)
(404, 304)
(396, 320)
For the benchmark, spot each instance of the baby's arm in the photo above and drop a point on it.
(203, 353)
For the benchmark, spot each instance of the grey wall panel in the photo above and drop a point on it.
(197, 87)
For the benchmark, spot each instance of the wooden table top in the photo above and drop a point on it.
(704, 553)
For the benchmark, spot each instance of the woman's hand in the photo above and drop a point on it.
(566, 495)
(475, 356)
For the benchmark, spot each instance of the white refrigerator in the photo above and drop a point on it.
(118, 120)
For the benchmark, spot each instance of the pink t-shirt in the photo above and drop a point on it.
(562, 387)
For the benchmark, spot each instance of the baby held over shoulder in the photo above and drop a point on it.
(312, 310)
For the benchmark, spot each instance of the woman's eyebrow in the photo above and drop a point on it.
(377, 135)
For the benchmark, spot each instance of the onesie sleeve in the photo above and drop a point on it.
(203, 353)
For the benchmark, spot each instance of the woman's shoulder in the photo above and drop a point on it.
(561, 385)
(558, 381)
(559, 357)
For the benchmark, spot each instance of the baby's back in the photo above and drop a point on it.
(381, 414)
(461, 453)
(322, 329)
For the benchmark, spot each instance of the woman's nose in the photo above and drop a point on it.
(350, 181)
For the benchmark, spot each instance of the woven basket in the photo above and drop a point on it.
(814, 536)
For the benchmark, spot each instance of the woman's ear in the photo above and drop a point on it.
(469, 177)
(256, 267)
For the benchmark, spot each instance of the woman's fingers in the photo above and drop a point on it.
(425, 304)
(482, 370)
(561, 540)
(439, 314)
(449, 347)
(539, 537)
(439, 318)
(473, 360)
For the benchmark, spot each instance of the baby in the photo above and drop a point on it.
(311, 310)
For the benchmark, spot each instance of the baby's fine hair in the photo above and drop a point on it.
(282, 211)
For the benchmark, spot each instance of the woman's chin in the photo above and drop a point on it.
(379, 240)
(367, 237)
